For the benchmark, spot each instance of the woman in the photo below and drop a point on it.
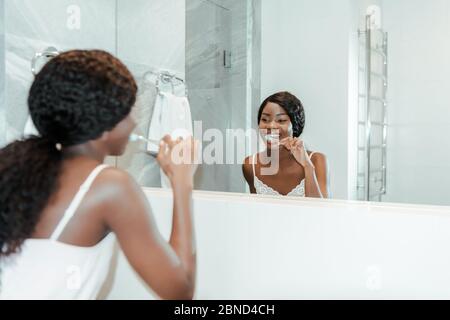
(61, 208)
(281, 119)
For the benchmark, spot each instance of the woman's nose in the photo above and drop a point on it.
(273, 125)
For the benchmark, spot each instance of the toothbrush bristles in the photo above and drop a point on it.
(135, 137)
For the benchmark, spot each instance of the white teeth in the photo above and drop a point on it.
(272, 137)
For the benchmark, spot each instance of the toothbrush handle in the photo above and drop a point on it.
(149, 140)
(152, 153)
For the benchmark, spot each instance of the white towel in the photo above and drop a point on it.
(171, 115)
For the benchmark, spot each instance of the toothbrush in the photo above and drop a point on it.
(134, 138)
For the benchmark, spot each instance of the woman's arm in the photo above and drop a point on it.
(247, 171)
(168, 268)
(316, 177)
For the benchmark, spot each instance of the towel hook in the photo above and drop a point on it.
(166, 77)
(48, 53)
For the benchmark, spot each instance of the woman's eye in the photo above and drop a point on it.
(282, 121)
(264, 120)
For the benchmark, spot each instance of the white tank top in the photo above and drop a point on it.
(49, 269)
(262, 188)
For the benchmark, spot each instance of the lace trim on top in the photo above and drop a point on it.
(262, 188)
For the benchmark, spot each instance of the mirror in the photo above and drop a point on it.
(372, 77)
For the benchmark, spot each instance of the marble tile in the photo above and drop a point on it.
(139, 165)
(31, 26)
(239, 37)
(222, 98)
(209, 107)
(152, 33)
(56, 22)
(255, 37)
(208, 35)
(2, 17)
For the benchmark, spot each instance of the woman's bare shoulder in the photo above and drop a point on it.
(116, 179)
(247, 168)
(316, 154)
(318, 158)
(248, 161)
(113, 188)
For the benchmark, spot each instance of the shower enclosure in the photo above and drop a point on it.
(211, 44)
(209, 76)
(218, 59)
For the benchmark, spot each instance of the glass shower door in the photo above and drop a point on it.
(208, 75)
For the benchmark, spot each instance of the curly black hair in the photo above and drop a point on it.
(75, 97)
(292, 105)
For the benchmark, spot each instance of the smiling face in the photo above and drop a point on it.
(274, 124)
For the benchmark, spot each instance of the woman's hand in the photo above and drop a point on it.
(178, 159)
(297, 148)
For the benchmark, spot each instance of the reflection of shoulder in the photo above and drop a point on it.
(248, 161)
(317, 157)
(247, 168)
(247, 165)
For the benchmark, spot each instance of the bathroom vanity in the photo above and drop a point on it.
(254, 247)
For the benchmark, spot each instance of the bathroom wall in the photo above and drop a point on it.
(208, 35)
(31, 26)
(150, 35)
(306, 249)
(246, 78)
(418, 168)
(305, 50)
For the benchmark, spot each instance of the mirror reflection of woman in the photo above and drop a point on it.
(301, 172)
